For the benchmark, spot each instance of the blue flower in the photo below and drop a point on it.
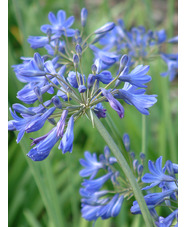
(66, 143)
(38, 41)
(105, 77)
(51, 47)
(100, 111)
(107, 58)
(30, 123)
(91, 165)
(93, 207)
(96, 184)
(173, 40)
(43, 148)
(19, 108)
(59, 25)
(126, 142)
(115, 104)
(45, 143)
(137, 76)
(72, 79)
(84, 14)
(28, 96)
(152, 200)
(172, 63)
(38, 122)
(157, 174)
(167, 222)
(57, 102)
(105, 28)
(112, 208)
(137, 98)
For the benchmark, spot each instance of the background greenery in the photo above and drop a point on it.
(47, 193)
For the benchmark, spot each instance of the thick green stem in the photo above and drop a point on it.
(126, 169)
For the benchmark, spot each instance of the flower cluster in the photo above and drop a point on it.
(56, 83)
(165, 178)
(99, 202)
(141, 45)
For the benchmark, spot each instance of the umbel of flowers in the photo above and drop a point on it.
(58, 92)
(100, 202)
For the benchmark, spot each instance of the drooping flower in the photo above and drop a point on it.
(115, 104)
(66, 143)
(136, 97)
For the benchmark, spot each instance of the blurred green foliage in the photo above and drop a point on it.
(47, 193)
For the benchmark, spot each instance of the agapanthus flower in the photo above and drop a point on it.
(157, 174)
(64, 93)
(99, 202)
(96, 202)
(164, 178)
(172, 63)
(139, 44)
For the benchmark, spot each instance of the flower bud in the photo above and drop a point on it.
(75, 60)
(98, 64)
(61, 123)
(132, 155)
(78, 49)
(123, 62)
(105, 28)
(94, 69)
(57, 102)
(135, 164)
(126, 142)
(107, 152)
(140, 170)
(82, 88)
(84, 14)
(39, 61)
(142, 156)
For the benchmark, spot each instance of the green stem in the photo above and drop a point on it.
(143, 146)
(126, 169)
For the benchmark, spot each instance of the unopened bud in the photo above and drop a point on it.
(57, 102)
(105, 28)
(126, 142)
(75, 60)
(135, 164)
(78, 49)
(123, 62)
(94, 69)
(140, 170)
(84, 14)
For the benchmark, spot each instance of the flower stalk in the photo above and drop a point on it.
(126, 169)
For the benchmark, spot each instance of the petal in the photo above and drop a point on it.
(61, 16)
(52, 18)
(69, 22)
(45, 27)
